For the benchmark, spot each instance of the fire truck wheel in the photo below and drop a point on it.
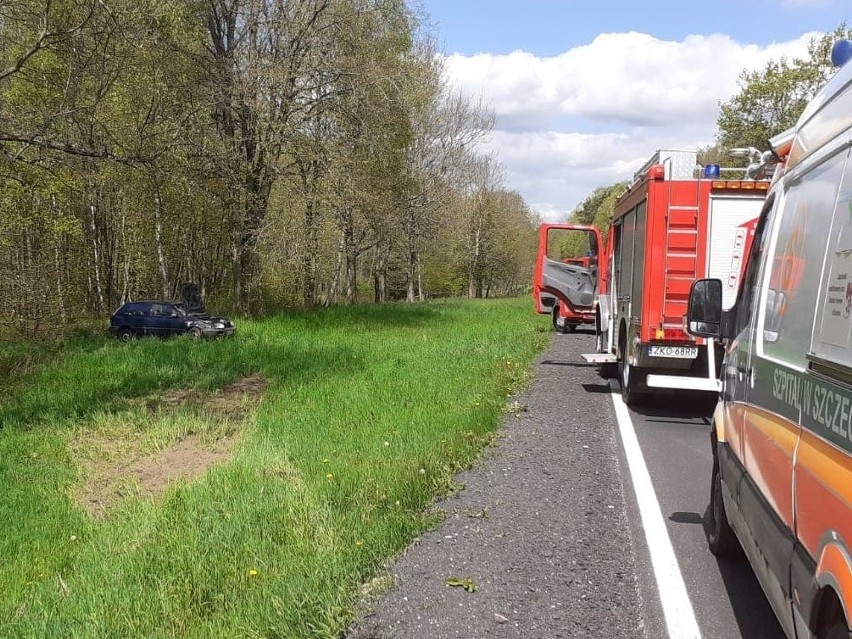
(720, 537)
(606, 371)
(628, 377)
(560, 323)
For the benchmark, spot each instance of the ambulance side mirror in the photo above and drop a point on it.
(704, 312)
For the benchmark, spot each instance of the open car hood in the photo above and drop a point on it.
(191, 297)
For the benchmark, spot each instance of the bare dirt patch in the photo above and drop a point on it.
(116, 461)
(232, 401)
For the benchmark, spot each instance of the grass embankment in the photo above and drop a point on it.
(310, 446)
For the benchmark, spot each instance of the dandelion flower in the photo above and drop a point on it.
(252, 573)
(330, 476)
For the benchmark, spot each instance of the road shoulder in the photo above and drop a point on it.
(541, 527)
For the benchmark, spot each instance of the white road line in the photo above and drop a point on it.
(677, 609)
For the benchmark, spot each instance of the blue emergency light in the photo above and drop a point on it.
(841, 52)
(712, 171)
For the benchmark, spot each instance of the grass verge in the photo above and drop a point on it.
(255, 512)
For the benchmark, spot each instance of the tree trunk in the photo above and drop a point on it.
(335, 284)
(474, 284)
(60, 289)
(309, 260)
(350, 251)
(96, 258)
(380, 273)
(411, 274)
(158, 240)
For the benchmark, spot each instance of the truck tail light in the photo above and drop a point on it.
(676, 334)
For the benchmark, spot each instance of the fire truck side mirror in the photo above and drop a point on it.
(704, 312)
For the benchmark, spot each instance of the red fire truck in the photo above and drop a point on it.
(673, 225)
(567, 272)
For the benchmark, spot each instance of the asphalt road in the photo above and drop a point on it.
(674, 435)
(548, 528)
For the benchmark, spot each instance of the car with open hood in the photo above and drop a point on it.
(167, 318)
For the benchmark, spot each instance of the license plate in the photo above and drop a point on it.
(678, 352)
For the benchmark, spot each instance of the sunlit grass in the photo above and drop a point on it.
(367, 415)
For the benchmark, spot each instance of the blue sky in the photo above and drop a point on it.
(585, 90)
(549, 27)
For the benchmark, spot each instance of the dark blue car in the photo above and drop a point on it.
(164, 319)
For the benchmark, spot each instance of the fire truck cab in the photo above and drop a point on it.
(675, 223)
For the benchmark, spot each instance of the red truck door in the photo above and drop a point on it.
(567, 268)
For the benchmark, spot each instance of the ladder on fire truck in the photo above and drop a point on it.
(682, 269)
(681, 254)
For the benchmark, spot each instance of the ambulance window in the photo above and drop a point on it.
(833, 334)
(750, 286)
(790, 288)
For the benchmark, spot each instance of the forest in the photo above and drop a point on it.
(278, 153)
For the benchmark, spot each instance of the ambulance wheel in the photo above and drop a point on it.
(720, 536)
(838, 631)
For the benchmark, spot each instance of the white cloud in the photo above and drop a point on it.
(623, 96)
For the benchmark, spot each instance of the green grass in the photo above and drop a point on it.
(367, 415)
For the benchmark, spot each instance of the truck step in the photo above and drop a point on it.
(681, 382)
(600, 358)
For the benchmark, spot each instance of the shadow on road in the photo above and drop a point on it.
(686, 518)
(580, 331)
(550, 362)
(597, 388)
(672, 408)
(752, 611)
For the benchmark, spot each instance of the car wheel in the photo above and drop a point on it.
(720, 536)
(195, 333)
(124, 335)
